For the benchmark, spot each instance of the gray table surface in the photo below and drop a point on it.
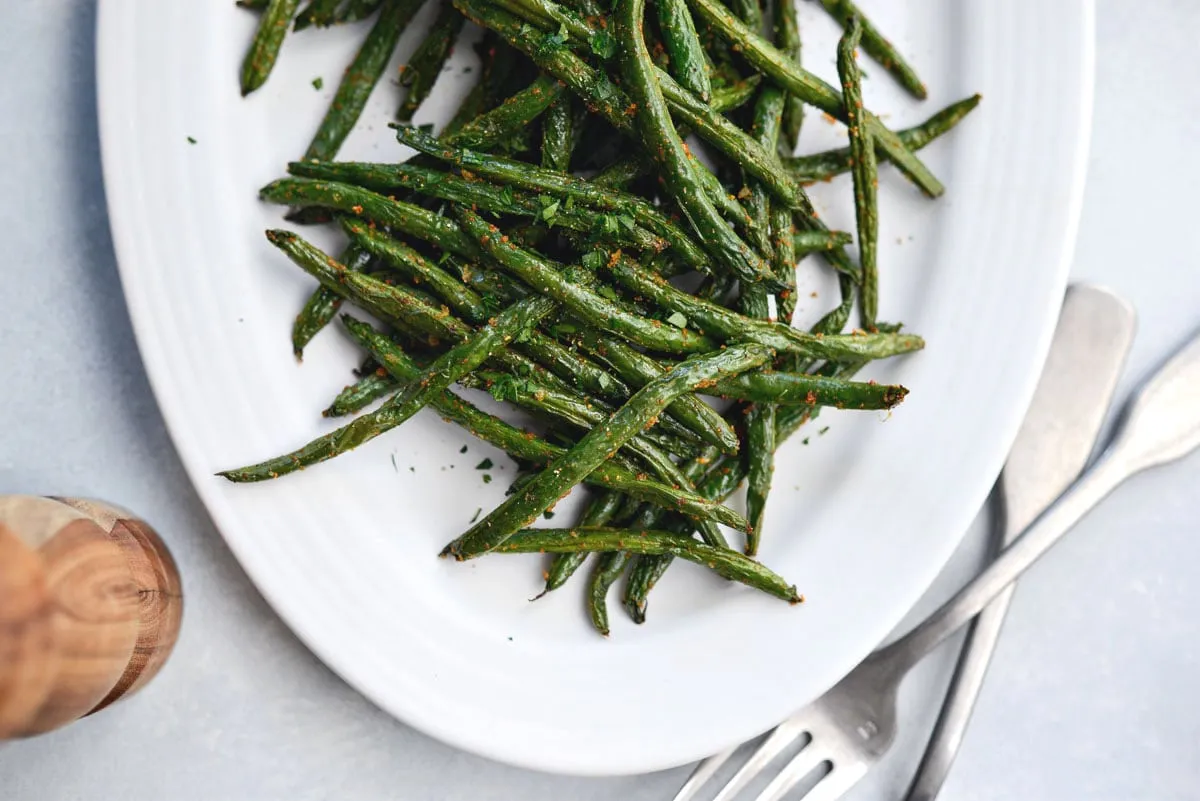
(1089, 697)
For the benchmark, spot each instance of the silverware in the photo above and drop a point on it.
(1095, 330)
(853, 725)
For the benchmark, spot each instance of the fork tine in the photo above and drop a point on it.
(793, 772)
(836, 783)
(702, 774)
(771, 747)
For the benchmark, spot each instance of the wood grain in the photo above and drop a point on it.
(109, 615)
(27, 659)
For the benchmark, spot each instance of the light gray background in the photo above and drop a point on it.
(1094, 691)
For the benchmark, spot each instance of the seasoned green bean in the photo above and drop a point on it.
(659, 136)
(734, 326)
(607, 570)
(726, 563)
(569, 286)
(268, 38)
(321, 13)
(602, 508)
(395, 214)
(646, 404)
(425, 64)
(558, 135)
(411, 177)
(825, 165)
(688, 64)
(323, 304)
(410, 262)
(516, 173)
(878, 47)
(360, 78)
(639, 369)
(584, 415)
(787, 39)
(761, 162)
(811, 89)
(783, 259)
(866, 203)
(510, 117)
(816, 239)
(361, 394)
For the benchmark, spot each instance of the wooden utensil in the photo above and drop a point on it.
(90, 608)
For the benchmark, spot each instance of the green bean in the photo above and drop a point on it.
(764, 131)
(268, 38)
(815, 240)
(550, 54)
(647, 569)
(426, 62)
(322, 304)
(759, 452)
(355, 10)
(835, 320)
(604, 98)
(659, 136)
(558, 135)
(562, 474)
(396, 304)
(361, 394)
(440, 374)
(717, 130)
(524, 175)
(726, 563)
(830, 244)
(787, 39)
(321, 13)
(688, 63)
(607, 570)
(639, 369)
(877, 46)
(568, 285)
(401, 306)
(409, 262)
(527, 447)
(823, 166)
(564, 363)
(777, 66)
(584, 415)
(810, 390)
(360, 78)
(734, 326)
(629, 169)
(783, 259)
(383, 178)
(866, 203)
(395, 214)
(550, 15)
(253, 5)
(510, 117)
(600, 511)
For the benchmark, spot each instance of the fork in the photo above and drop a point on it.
(852, 725)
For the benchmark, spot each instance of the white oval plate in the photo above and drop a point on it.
(862, 518)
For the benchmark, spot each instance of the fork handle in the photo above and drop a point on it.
(976, 655)
(1068, 510)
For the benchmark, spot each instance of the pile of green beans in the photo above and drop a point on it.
(538, 247)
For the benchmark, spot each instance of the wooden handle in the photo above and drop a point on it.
(90, 607)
